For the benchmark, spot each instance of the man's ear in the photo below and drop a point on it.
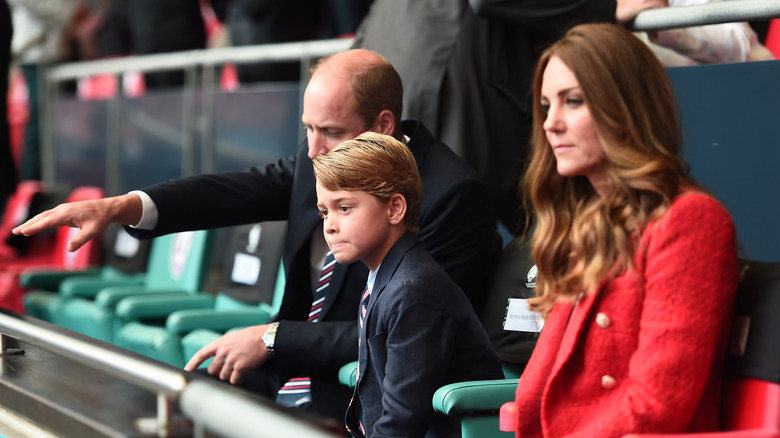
(396, 208)
(384, 123)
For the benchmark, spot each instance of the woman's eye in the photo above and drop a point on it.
(574, 101)
(545, 107)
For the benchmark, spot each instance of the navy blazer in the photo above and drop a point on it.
(456, 226)
(420, 334)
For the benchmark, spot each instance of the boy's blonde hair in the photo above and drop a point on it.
(376, 164)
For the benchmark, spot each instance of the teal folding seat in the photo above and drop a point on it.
(124, 263)
(178, 265)
(251, 290)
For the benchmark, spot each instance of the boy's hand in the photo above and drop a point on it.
(91, 217)
(234, 354)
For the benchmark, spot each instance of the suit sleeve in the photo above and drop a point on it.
(690, 283)
(307, 349)
(458, 229)
(221, 199)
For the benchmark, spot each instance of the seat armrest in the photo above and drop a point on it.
(51, 279)
(348, 374)
(159, 305)
(88, 287)
(185, 321)
(109, 297)
(463, 398)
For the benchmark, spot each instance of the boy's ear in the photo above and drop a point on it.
(397, 209)
(384, 123)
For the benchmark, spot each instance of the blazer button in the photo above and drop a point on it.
(608, 381)
(602, 320)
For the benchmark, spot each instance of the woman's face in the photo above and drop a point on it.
(569, 127)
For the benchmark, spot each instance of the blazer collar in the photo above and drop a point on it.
(420, 140)
(390, 264)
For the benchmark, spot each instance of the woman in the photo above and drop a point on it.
(637, 264)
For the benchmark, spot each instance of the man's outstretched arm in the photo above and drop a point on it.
(91, 217)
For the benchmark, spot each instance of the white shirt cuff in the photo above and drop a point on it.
(149, 214)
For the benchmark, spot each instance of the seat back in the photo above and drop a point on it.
(251, 263)
(124, 254)
(504, 315)
(751, 398)
(179, 260)
(17, 210)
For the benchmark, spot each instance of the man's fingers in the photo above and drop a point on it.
(198, 358)
(34, 225)
(78, 240)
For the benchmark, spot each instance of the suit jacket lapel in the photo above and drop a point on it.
(386, 270)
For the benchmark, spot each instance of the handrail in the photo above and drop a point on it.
(651, 19)
(167, 384)
(130, 369)
(205, 57)
(217, 411)
(210, 404)
(704, 14)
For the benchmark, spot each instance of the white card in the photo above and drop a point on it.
(126, 245)
(519, 319)
(246, 269)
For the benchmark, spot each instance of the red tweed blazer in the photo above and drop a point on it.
(645, 352)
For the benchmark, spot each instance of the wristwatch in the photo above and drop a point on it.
(270, 337)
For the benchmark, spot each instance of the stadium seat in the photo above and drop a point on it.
(751, 397)
(178, 264)
(59, 258)
(124, 263)
(18, 209)
(251, 292)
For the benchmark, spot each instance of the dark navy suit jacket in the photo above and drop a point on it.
(456, 226)
(420, 334)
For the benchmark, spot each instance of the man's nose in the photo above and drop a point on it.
(317, 145)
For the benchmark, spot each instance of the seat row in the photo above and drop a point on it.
(147, 296)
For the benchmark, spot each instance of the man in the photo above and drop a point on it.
(349, 93)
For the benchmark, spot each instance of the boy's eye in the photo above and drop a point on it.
(344, 209)
(323, 213)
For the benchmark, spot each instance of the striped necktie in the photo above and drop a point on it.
(361, 323)
(297, 391)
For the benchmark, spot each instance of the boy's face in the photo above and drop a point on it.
(356, 225)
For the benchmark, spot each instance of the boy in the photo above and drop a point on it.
(418, 331)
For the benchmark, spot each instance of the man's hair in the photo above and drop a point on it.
(374, 82)
(376, 164)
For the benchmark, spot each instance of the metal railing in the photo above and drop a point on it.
(201, 66)
(210, 405)
(709, 13)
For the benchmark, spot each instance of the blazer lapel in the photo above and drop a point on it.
(573, 331)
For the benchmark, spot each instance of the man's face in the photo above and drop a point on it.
(329, 113)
